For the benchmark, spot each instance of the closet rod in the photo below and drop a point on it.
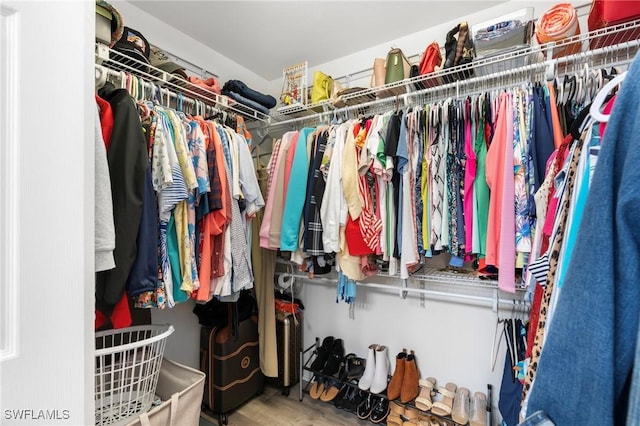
(119, 62)
(604, 54)
(440, 296)
(164, 92)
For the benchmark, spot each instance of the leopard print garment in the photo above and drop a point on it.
(554, 254)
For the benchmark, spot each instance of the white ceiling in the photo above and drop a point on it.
(263, 35)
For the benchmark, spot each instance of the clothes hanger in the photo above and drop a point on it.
(101, 76)
(559, 88)
(179, 101)
(599, 100)
(495, 346)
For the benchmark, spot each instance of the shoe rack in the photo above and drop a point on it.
(377, 407)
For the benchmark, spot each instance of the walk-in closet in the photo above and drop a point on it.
(322, 213)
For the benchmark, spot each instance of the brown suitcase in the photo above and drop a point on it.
(232, 365)
(289, 339)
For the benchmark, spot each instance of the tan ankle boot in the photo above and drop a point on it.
(395, 385)
(410, 383)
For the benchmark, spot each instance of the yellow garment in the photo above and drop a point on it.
(351, 266)
(181, 211)
(350, 177)
(424, 194)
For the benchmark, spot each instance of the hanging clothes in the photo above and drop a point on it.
(500, 179)
(127, 160)
(295, 194)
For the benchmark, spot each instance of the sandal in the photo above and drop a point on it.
(423, 401)
(460, 409)
(478, 410)
(395, 412)
(412, 417)
(323, 354)
(424, 420)
(317, 388)
(443, 408)
(331, 390)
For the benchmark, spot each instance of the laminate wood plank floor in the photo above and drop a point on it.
(274, 409)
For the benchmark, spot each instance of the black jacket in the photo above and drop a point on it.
(128, 161)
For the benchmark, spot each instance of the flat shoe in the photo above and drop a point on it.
(364, 408)
(380, 410)
(317, 388)
(331, 390)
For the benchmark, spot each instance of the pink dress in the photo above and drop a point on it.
(501, 229)
(469, 178)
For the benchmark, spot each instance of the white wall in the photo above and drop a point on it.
(452, 341)
(175, 42)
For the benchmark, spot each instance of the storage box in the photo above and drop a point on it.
(180, 389)
(525, 56)
(103, 25)
(505, 32)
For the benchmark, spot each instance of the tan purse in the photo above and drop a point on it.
(377, 78)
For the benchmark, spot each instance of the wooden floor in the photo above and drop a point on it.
(274, 409)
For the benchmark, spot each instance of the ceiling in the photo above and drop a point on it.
(263, 35)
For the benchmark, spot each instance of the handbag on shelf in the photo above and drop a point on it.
(431, 58)
(607, 13)
(397, 65)
(378, 75)
(322, 86)
(430, 62)
(458, 51)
